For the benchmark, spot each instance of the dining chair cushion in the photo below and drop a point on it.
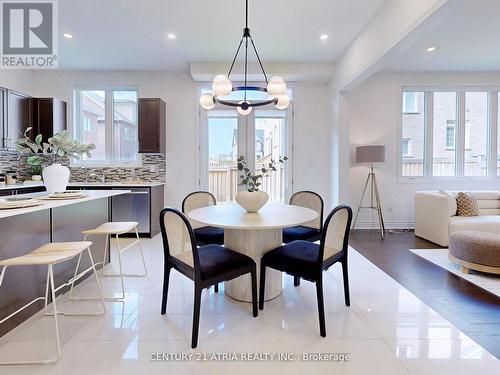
(300, 233)
(217, 260)
(209, 235)
(297, 257)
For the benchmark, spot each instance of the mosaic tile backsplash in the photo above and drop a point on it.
(153, 169)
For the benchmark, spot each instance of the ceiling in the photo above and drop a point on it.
(132, 34)
(467, 39)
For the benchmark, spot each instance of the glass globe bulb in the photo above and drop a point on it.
(221, 85)
(243, 108)
(283, 102)
(207, 101)
(276, 86)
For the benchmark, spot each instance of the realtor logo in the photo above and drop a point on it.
(29, 34)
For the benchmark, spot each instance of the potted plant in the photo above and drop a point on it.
(252, 199)
(50, 154)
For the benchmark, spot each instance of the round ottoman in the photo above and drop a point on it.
(475, 250)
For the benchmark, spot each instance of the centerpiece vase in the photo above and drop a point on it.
(252, 201)
(55, 178)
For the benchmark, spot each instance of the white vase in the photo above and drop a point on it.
(252, 201)
(55, 178)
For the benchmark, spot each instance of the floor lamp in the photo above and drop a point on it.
(371, 154)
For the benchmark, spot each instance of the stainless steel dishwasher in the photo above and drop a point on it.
(133, 206)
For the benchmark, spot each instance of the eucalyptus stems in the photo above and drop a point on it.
(254, 181)
(57, 147)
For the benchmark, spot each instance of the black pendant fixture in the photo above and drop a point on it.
(222, 86)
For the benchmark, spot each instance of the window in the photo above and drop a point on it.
(107, 118)
(406, 147)
(476, 134)
(444, 110)
(413, 128)
(411, 101)
(88, 125)
(450, 133)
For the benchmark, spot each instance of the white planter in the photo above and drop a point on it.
(252, 201)
(55, 178)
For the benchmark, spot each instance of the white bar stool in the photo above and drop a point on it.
(50, 255)
(108, 229)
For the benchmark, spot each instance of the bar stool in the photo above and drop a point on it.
(108, 229)
(50, 255)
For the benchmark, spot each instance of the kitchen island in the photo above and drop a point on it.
(24, 229)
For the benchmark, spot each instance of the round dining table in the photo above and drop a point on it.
(253, 234)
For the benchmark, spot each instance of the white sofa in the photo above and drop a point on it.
(435, 215)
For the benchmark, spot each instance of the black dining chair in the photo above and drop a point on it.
(206, 265)
(205, 235)
(308, 260)
(310, 231)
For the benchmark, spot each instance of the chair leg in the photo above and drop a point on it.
(196, 316)
(262, 288)
(53, 288)
(321, 307)
(253, 275)
(216, 288)
(142, 254)
(166, 278)
(120, 265)
(296, 281)
(96, 279)
(346, 282)
(76, 273)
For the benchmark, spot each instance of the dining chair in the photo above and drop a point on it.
(206, 265)
(310, 231)
(308, 260)
(205, 235)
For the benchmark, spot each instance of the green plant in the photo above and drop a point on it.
(253, 181)
(59, 146)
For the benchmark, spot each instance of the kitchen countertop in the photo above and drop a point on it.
(90, 195)
(89, 184)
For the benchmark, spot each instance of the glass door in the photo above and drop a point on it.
(270, 145)
(222, 134)
(259, 137)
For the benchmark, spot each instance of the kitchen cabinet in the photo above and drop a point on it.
(3, 114)
(49, 116)
(19, 118)
(152, 125)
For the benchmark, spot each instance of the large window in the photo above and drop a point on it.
(453, 133)
(107, 118)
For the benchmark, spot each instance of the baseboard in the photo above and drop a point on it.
(388, 225)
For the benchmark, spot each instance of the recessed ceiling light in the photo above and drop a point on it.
(171, 36)
(431, 49)
(323, 36)
(68, 35)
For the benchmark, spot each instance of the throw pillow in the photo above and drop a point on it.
(467, 204)
(452, 201)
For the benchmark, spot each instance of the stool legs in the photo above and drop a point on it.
(53, 289)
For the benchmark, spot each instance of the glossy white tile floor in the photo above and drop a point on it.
(387, 330)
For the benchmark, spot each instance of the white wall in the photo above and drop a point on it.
(312, 138)
(371, 114)
(311, 121)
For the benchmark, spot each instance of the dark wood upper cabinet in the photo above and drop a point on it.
(49, 116)
(19, 117)
(152, 125)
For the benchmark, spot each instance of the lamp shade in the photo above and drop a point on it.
(370, 154)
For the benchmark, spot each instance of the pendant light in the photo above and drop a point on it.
(222, 86)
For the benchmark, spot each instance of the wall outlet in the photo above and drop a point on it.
(153, 168)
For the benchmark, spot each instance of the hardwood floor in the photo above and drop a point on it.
(473, 310)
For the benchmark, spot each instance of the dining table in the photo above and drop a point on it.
(253, 234)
